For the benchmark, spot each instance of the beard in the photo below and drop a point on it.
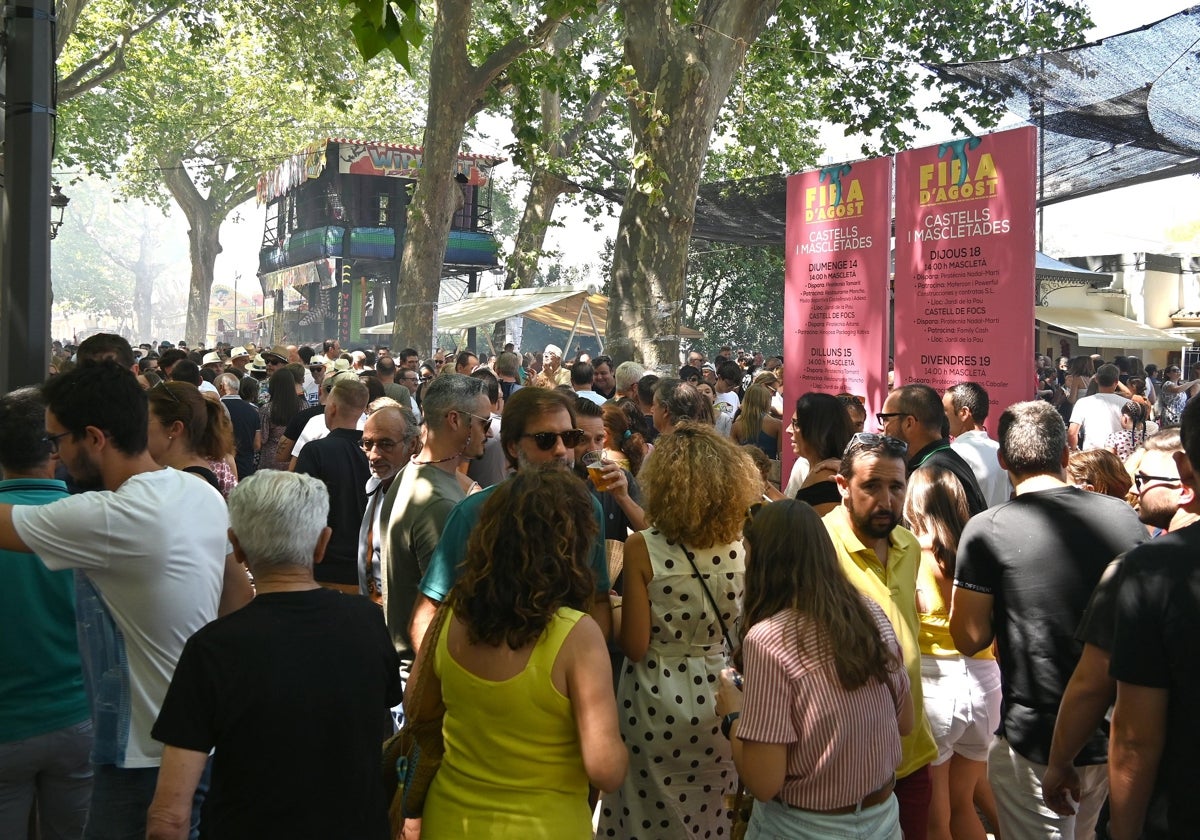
(1161, 508)
(85, 474)
(876, 525)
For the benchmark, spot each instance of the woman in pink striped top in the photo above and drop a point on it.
(816, 737)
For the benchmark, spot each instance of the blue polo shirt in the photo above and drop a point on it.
(443, 569)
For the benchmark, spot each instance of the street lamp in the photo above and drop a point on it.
(58, 204)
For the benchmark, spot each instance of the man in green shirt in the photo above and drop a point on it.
(538, 427)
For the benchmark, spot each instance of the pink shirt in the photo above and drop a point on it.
(842, 745)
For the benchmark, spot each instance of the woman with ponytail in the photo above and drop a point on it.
(623, 439)
(191, 433)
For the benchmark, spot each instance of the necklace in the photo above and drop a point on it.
(438, 461)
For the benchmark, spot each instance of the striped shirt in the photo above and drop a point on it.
(841, 745)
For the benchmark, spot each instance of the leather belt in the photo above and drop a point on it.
(877, 797)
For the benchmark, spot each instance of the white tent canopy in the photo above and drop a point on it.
(561, 307)
(1103, 329)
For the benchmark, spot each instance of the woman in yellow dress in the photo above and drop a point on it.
(524, 672)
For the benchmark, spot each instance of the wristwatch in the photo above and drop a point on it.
(727, 722)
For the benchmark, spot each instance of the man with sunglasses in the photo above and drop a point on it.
(457, 423)
(881, 558)
(1024, 575)
(539, 428)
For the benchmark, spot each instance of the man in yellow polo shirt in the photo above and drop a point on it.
(881, 558)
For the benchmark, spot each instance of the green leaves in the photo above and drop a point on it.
(393, 25)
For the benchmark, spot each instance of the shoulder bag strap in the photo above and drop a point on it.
(426, 653)
(711, 600)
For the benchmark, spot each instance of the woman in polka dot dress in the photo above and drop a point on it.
(697, 488)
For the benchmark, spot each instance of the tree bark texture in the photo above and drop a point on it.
(204, 215)
(684, 72)
(456, 93)
(433, 205)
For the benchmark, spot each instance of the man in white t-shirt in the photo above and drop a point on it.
(1099, 415)
(966, 406)
(727, 403)
(151, 545)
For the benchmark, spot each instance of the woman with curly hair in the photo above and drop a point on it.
(191, 433)
(816, 735)
(623, 440)
(696, 490)
(523, 670)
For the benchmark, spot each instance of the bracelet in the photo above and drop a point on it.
(727, 722)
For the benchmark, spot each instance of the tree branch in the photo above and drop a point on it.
(486, 73)
(74, 84)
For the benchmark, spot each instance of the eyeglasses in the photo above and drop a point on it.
(545, 440)
(882, 418)
(870, 440)
(486, 421)
(427, 377)
(366, 444)
(51, 441)
(1141, 478)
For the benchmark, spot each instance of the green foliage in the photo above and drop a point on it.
(770, 121)
(393, 25)
(735, 296)
(870, 54)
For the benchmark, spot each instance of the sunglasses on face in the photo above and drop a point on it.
(1140, 479)
(545, 440)
(366, 444)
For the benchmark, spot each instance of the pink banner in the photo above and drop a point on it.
(965, 266)
(836, 290)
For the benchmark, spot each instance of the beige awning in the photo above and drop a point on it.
(562, 307)
(1102, 329)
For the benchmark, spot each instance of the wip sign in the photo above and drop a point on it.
(964, 285)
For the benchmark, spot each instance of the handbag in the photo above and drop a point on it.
(412, 756)
(740, 803)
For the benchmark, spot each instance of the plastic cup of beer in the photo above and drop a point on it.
(595, 462)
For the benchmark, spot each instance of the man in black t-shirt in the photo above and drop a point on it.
(1092, 690)
(292, 691)
(1155, 646)
(1023, 576)
(338, 460)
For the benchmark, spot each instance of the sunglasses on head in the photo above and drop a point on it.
(545, 440)
(871, 440)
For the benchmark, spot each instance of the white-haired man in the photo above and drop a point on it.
(301, 678)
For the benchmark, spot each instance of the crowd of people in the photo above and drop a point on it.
(599, 581)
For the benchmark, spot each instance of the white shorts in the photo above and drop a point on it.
(962, 702)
